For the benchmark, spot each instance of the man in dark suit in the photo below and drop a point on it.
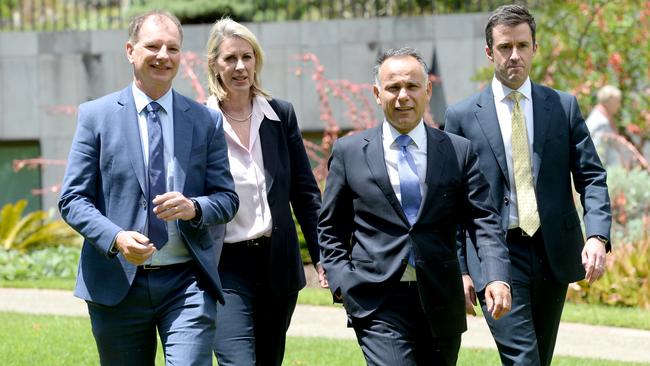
(146, 184)
(531, 141)
(394, 197)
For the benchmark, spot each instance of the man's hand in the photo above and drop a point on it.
(173, 206)
(593, 259)
(470, 294)
(497, 299)
(134, 246)
(322, 276)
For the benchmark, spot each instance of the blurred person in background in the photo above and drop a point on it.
(601, 122)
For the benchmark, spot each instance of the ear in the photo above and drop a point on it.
(129, 52)
(535, 47)
(488, 53)
(429, 88)
(375, 91)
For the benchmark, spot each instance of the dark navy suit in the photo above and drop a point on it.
(542, 266)
(366, 237)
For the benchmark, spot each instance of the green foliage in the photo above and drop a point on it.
(200, 11)
(54, 262)
(584, 45)
(630, 197)
(627, 279)
(35, 230)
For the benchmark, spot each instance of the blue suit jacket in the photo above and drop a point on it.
(104, 189)
(562, 149)
(365, 236)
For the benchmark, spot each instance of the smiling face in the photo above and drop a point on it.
(155, 55)
(235, 66)
(512, 53)
(403, 92)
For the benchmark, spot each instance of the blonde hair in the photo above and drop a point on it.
(221, 30)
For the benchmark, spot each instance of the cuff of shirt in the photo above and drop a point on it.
(503, 282)
(112, 250)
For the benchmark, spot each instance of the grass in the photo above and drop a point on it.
(49, 283)
(59, 340)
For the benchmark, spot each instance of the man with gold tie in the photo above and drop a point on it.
(531, 141)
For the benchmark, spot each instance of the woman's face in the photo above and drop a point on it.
(235, 65)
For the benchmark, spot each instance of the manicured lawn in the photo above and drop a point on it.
(58, 340)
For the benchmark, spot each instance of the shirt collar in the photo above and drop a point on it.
(501, 91)
(418, 134)
(261, 108)
(142, 100)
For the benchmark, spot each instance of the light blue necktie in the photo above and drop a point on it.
(409, 184)
(157, 227)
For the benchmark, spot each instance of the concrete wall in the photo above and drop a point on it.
(39, 71)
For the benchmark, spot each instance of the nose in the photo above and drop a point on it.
(515, 54)
(162, 53)
(403, 95)
(240, 64)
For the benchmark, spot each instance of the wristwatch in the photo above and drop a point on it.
(602, 239)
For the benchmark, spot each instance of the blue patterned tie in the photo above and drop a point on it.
(409, 184)
(157, 227)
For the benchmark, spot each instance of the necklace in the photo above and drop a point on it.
(237, 119)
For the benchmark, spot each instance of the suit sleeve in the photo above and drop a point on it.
(220, 203)
(81, 185)
(304, 192)
(482, 223)
(335, 222)
(589, 177)
(452, 125)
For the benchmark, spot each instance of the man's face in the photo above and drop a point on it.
(155, 56)
(512, 53)
(403, 92)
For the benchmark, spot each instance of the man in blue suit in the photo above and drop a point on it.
(147, 185)
(394, 197)
(531, 141)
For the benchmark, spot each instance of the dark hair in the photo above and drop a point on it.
(137, 21)
(398, 52)
(511, 16)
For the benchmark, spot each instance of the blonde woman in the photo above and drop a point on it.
(261, 268)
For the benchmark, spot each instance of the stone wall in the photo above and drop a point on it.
(43, 71)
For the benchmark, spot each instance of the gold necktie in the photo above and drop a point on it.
(526, 201)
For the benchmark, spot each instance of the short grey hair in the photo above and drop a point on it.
(607, 93)
(400, 52)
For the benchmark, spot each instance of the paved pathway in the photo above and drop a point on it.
(325, 321)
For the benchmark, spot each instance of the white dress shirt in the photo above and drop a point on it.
(175, 251)
(253, 219)
(504, 107)
(418, 149)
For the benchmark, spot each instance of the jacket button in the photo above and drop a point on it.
(506, 200)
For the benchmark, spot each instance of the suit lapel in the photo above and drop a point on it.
(541, 109)
(183, 132)
(269, 134)
(486, 116)
(436, 160)
(374, 154)
(127, 117)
